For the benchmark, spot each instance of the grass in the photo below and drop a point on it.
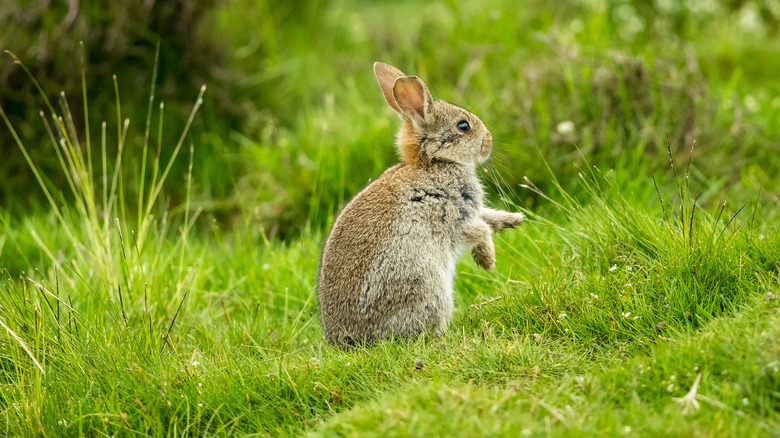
(222, 338)
(125, 311)
(734, 358)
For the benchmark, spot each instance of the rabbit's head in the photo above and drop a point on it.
(431, 130)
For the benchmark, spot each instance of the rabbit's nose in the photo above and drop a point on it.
(487, 144)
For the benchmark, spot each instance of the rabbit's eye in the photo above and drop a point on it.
(463, 126)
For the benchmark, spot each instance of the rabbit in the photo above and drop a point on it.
(388, 262)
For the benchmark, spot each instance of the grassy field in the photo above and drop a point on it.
(639, 299)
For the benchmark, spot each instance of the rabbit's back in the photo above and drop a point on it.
(388, 262)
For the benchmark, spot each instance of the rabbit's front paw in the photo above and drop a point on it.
(499, 220)
(484, 256)
(513, 220)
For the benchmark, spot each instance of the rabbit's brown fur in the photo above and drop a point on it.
(388, 263)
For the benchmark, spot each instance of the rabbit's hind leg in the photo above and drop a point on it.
(413, 320)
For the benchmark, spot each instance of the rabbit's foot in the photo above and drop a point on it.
(485, 256)
(499, 220)
(513, 220)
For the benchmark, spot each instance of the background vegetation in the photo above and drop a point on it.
(158, 273)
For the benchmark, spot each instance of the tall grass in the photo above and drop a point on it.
(94, 227)
(634, 269)
(108, 249)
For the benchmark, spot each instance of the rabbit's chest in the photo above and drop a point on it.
(443, 211)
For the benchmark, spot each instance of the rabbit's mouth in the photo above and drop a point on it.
(487, 145)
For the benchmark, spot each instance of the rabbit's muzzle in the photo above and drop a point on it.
(487, 145)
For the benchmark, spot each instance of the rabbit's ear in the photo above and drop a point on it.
(386, 75)
(412, 97)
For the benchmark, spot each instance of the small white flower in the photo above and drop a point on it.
(613, 268)
(745, 401)
(672, 378)
(565, 127)
(200, 404)
(627, 285)
(200, 384)
(627, 429)
(594, 296)
(195, 363)
(626, 314)
(636, 317)
(561, 315)
(579, 379)
(629, 268)
(670, 387)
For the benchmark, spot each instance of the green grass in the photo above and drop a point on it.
(642, 396)
(245, 354)
(135, 303)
